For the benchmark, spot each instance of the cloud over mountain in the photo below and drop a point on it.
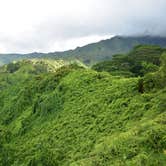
(51, 25)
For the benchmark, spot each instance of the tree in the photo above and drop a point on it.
(163, 64)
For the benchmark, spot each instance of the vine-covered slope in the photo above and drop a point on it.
(77, 116)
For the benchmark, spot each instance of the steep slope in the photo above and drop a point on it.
(95, 52)
(104, 50)
(77, 116)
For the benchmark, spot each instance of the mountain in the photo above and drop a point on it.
(77, 116)
(93, 53)
(104, 50)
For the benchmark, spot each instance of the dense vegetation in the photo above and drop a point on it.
(138, 62)
(92, 53)
(77, 116)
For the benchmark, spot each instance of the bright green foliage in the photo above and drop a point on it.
(163, 63)
(156, 79)
(79, 117)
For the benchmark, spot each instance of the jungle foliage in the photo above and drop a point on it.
(141, 60)
(80, 117)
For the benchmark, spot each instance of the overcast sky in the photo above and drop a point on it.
(55, 25)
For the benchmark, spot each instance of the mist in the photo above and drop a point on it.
(52, 25)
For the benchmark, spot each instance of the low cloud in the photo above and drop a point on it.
(53, 25)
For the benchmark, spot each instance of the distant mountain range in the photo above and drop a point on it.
(92, 53)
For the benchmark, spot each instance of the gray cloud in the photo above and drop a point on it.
(81, 19)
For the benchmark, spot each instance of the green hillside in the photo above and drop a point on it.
(80, 117)
(92, 53)
(104, 50)
(139, 61)
(7, 58)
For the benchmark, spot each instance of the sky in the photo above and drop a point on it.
(57, 25)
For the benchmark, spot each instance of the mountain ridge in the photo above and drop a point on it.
(94, 52)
